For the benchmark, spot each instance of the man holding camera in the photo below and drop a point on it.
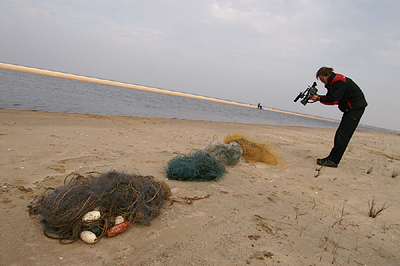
(351, 101)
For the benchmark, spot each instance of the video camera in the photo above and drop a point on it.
(306, 95)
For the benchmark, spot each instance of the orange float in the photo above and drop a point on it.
(117, 229)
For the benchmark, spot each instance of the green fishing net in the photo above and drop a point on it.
(225, 154)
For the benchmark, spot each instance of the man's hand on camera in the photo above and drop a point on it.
(314, 98)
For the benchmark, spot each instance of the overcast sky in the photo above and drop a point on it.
(248, 51)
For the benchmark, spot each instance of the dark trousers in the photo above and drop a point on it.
(344, 133)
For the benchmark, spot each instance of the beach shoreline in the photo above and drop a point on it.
(144, 88)
(293, 213)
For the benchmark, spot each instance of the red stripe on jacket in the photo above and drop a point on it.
(336, 78)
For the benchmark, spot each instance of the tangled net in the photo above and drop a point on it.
(225, 154)
(198, 166)
(136, 198)
(253, 151)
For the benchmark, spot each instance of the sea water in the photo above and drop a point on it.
(26, 91)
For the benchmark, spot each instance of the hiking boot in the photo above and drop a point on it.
(326, 162)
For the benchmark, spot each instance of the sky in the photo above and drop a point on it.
(248, 51)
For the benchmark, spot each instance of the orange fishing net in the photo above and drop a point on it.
(253, 151)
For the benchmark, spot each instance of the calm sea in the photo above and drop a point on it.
(25, 91)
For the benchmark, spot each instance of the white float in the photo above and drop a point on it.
(88, 237)
(119, 220)
(91, 216)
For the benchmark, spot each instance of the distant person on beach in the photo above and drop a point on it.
(259, 106)
(351, 101)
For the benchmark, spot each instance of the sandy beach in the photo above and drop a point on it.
(293, 213)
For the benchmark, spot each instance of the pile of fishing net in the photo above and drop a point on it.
(94, 206)
(204, 165)
(209, 164)
(197, 166)
(225, 154)
(253, 151)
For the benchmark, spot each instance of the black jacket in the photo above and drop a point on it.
(344, 92)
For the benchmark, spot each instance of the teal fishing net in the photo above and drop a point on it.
(199, 165)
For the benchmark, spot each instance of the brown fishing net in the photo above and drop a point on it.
(136, 198)
(253, 151)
